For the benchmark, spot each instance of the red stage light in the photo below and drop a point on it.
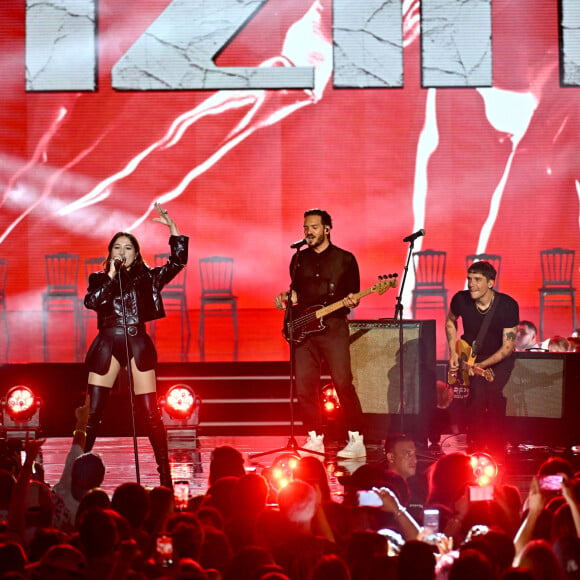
(21, 404)
(484, 468)
(330, 402)
(282, 471)
(180, 401)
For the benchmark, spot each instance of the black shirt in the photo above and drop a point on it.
(325, 278)
(506, 315)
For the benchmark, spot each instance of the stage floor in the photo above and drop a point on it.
(190, 462)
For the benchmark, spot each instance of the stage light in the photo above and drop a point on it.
(329, 399)
(484, 468)
(180, 413)
(281, 473)
(20, 413)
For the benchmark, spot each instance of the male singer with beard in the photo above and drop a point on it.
(486, 405)
(324, 274)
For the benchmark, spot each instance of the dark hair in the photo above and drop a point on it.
(529, 324)
(394, 438)
(324, 216)
(484, 268)
(132, 239)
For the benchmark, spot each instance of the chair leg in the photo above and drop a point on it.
(541, 321)
(235, 323)
(187, 335)
(574, 316)
(44, 324)
(201, 334)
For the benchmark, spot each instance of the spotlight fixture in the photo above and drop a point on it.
(180, 412)
(281, 473)
(329, 400)
(484, 468)
(20, 413)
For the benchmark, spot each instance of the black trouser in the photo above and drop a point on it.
(333, 346)
(486, 411)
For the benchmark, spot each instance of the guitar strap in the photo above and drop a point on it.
(483, 329)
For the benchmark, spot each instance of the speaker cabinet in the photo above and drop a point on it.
(375, 361)
(543, 400)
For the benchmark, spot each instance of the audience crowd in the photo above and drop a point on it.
(245, 528)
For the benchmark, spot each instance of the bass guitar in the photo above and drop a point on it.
(311, 319)
(459, 379)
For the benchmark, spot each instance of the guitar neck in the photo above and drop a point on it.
(338, 305)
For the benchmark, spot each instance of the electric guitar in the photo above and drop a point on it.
(310, 320)
(460, 379)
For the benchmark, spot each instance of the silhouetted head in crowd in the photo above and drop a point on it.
(539, 557)
(297, 503)
(250, 493)
(449, 478)
(416, 560)
(311, 470)
(558, 343)
(131, 500)
(225, 461)
(471, 564)
(88, 471)
(555, 465)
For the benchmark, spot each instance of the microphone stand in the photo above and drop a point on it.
(399, 319)
(292, 445)
(130, 380)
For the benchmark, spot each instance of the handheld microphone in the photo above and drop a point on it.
(299, 243)
(118, 262)
(414, 236)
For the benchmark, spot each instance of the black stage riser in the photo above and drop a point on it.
(252, 398)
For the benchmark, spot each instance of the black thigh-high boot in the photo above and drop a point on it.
(157, 435)
(99, 397)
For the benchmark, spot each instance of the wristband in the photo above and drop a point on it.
(76, 431)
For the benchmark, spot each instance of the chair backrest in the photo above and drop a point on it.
(429, 266)
(178, 283)
(493, 259)
(62, 272)
(92, 265)
(216, 273)
(557, 266)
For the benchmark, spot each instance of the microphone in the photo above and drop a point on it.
(299, 244)
(119, 261)
(414, 236)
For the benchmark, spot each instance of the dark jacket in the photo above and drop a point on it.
(141, 289)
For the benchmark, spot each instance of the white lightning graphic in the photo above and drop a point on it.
(305, 44)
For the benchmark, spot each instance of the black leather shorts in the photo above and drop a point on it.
(111, 342)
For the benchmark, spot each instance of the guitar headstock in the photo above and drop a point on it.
(385, 282)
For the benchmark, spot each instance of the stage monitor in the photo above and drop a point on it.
(375, 361)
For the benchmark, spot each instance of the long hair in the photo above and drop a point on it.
(138, 257)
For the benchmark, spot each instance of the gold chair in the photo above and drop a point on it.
(175, 299)
(429, 291)
(557, 275)
(61, 295)
(217, 298)
(493, 259)
(3, 308)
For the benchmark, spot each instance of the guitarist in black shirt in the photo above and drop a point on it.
(484, 363)
(324, 274)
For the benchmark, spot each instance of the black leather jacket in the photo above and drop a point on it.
(141, 289)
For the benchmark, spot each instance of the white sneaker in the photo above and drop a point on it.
(314, 442)
(354, 448)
